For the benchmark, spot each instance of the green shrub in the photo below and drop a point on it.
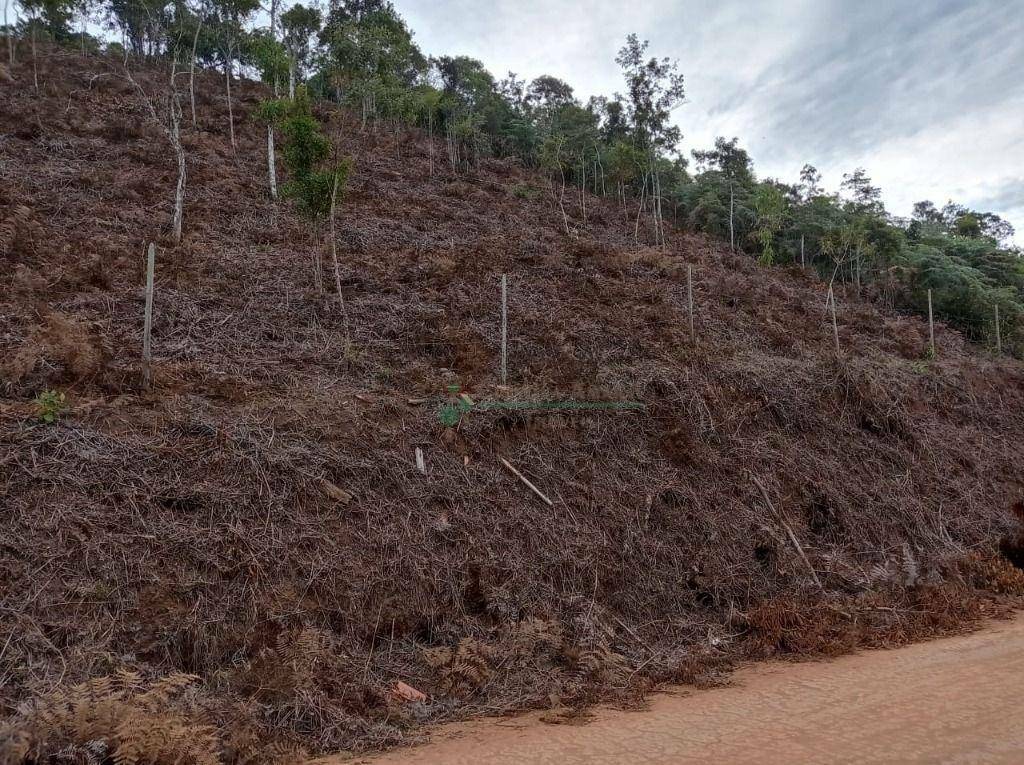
(50, 404)
(524, 191)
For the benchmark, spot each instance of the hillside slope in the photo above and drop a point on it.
(190, 527)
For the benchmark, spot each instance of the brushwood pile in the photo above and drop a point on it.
(248, 561)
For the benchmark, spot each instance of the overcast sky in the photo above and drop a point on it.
(927, 95)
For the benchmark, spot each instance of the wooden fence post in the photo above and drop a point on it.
(689, 297)
(147, 356)
(504, 329)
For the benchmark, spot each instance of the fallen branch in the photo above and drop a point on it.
(789, 531)
(525, 480)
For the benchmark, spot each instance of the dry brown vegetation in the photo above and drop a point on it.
(193, 529)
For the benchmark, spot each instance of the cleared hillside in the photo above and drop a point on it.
(198, 527)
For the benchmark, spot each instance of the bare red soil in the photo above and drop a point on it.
(189, 527)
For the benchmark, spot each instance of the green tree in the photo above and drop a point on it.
(299, 24)
(654, 88)
(315, 177)
(770, 206)
(141, 22)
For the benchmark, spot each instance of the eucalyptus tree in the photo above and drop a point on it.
(298, 25)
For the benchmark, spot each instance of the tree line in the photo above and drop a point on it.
(625, 146)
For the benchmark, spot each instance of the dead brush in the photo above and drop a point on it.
(63, 345)
(119, 719)
(992, 573)
(801, 626)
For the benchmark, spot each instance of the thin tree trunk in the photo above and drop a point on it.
(639, 211)
(334, 256)
(273, 19)
(999, 338)
(147, 328)
(659, 222)
(931, 326)
(430, 135)
(179, 151)
(583, 191)
(192, 75)
(271, 165)
(732, 228)
(10, 35)
(835, 323)
(35, 69)
(291, 77)
(231, 112)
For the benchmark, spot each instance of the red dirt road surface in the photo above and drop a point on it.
(947, 701)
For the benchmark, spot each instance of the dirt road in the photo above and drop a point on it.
(958, 700)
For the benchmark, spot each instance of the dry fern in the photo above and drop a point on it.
(119, 719)
(464, 669)
(12, 226)
(598, 663)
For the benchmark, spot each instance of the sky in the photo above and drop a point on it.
(926, 95)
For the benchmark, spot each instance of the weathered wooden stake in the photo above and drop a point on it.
(689, 296)
(147, 356)
(931, 325)
(999, 338)
(835, 324)
(504, 329)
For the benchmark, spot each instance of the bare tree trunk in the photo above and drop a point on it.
(273, 36)
(732, 228)
(35, 69)
(231, 112)
(192, 75)
(271, 165)
(659, 223)
(561, 200)
(291, 77)
(430, 136)
(147, 327)
(10, 35)
(179, 150)
(583, 189)
(639, 211)
(334, 256)
(318, 271)
(274, 4)
(999, 337)
(173, 134)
